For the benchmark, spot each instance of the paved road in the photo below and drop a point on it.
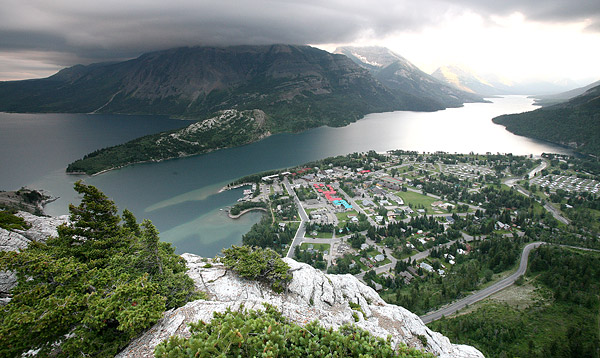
(303, 217)
(479, 295)
(357, 207)
(553, 210)
(538, 169)
(556, 213)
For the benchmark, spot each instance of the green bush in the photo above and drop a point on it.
(258, 264)
(267, 333)
(8, 221)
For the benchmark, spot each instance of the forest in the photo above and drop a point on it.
(562, 322)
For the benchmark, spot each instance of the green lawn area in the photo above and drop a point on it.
(384, 262)
(343, 217)
(360, 264)
(324, 235)
(373, 252)
(415, 199)
(318, 247)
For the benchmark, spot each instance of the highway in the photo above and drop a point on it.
(480, 295)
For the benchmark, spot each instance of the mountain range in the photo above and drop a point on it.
(491, 85)
(298, 87)
(550, 99)
(265, 89)
(467, 81)
(397, 73)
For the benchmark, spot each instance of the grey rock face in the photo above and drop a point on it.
(41, 228)
(312, 295)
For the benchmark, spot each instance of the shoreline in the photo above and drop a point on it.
(228, 187)
(245, 212)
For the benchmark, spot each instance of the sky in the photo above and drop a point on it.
(513, 40)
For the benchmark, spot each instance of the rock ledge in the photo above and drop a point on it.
(312, 295)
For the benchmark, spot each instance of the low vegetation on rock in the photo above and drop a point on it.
(248, 333)
(258, 264)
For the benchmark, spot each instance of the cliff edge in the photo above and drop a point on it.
(311, 295)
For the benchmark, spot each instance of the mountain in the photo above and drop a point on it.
(403, 77)
(298, 87)
(291, 88)
(575, 123)
(466, 81)
(550, 99)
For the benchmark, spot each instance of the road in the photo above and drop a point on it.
(303, 217)
(556, 213)
(479, 295)
(513, 183)
(357, 207)
(543, 165)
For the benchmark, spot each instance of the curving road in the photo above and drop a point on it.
(479, 295)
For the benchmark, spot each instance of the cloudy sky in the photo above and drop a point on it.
(517, 40)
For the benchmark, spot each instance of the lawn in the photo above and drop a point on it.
(293, 225)
(416, 199)
(318, 247)
(373, 253)
(343, 217)
(324, 235)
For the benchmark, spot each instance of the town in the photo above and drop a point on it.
(396, 218)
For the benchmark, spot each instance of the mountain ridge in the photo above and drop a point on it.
(575, 123)
(550, 99)
(399, 74)
(311, 295)
(466, 81)
(195, 82)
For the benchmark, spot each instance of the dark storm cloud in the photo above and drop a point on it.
(115, 29)
(91, 31)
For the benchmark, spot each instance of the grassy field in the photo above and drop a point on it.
(294, 225)
(318, 247)
(343, 217)
(416, 199)
(324, 235)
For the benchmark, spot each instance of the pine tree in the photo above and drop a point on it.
(93, 288)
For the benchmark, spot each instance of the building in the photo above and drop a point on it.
(425, 266)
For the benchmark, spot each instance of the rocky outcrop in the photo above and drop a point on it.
(311, 295)
(41, 227)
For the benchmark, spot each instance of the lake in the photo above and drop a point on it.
(181, 196)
